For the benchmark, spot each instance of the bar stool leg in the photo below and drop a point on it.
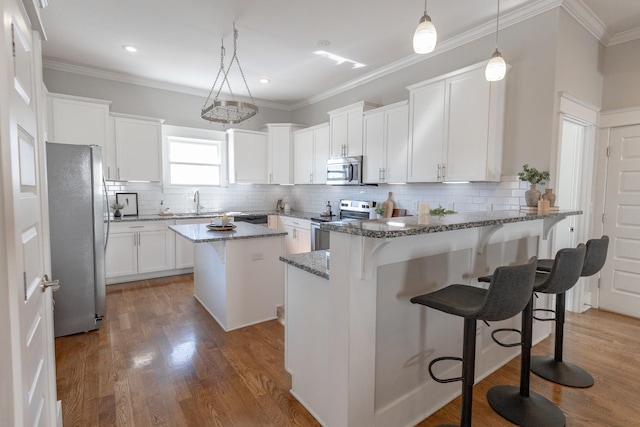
(555, 369)
(520, 405)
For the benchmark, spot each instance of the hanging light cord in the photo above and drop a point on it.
(497, 24)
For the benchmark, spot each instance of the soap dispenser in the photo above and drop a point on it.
(161, 211)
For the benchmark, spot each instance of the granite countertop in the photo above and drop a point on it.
(199, 233)
(414, 225)
(316, 262)
(157, 217)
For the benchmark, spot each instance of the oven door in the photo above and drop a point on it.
(319, 237)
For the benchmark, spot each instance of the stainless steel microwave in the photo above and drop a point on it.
(344, 171)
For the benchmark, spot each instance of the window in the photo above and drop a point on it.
(194, 162)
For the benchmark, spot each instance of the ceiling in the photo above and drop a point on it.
(179, 42)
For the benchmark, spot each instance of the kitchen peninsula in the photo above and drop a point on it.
(358, 350)
(237, 276)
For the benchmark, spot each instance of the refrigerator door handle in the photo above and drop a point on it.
(106, 199)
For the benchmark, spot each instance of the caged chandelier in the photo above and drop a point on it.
(229, 111)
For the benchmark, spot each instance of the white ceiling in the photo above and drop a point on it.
(179, 42)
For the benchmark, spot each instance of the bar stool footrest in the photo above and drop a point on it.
(500, 343)
(527, 411)
(563, 373)
(446, 380)
(544, 319)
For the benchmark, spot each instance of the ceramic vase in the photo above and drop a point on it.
(532, 195)
(548, 195)
(117, 213)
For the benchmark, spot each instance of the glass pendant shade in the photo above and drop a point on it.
(425, 37)
(496, 68)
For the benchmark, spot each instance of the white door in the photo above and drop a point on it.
(26, 240)
(620, 278)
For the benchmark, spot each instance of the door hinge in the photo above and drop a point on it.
(603, 218)
(598, 282)
(24, 279)
(13, 41)
(608, 151)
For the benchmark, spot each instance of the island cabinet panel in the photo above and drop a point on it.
(185, 248)
(456, 125)
(248, 154)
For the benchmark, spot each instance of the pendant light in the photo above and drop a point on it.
(426, 36)
(496, 67)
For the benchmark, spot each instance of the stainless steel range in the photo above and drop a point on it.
(349, 210)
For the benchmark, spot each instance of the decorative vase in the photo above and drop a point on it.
(117, 213)
(548, 195)
(388, 206)
(531, 196)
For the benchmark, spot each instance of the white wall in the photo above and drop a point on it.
(175, 108)
(622, 76)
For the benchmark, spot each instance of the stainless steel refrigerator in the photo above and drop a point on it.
(77, 206)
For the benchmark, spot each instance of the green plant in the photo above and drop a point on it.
(440, 211)
(116, 206)
(379, 210)
(533, 176)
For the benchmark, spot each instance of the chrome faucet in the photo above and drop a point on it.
(196, 198)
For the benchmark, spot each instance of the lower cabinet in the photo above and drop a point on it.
(139, 247)
(184, 248)
(298, 238)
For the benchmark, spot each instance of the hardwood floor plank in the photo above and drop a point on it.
(159, 359)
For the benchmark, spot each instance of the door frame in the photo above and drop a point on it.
(572, 109)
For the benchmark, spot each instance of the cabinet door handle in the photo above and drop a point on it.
(294, 234)
(311, 178)
(139, 240)
(108, 172)
(438, 171)
(270, 177)
(443, 171)
(118, 173)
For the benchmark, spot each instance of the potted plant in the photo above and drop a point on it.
(116, 209)
(379, 211)
(533, 176)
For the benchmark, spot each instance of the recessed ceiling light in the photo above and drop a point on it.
(323, 43)
(130, 48)
(264, 80)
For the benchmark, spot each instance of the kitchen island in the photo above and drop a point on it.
(358, 350)
(237, 276)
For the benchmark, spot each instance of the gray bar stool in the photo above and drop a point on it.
(508, 293)
(520, 405)
(554, 368)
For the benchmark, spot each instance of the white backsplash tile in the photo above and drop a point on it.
(506, 195)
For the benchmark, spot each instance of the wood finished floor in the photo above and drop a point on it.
(160, 360)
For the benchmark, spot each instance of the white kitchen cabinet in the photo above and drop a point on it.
(280, 152)
(385, 142)
(82, 121)
(346, 129)
(138, 143)
(298, 238)
(456, 126)
(184, 247)
(248, 151)
(139, 247)
(311, 152)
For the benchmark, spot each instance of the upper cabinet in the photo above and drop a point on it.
(280, 152)
(311, 152)
(81, 121)
(248, 151)
(386, 136)
(456, 127)
(346, 129)
(138, 143)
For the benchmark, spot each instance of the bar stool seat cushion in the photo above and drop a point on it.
(459, 300)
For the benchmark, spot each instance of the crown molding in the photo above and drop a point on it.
(627, 36)
(83, 70)
(586, 18)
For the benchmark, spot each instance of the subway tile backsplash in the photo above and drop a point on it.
(505, 195)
